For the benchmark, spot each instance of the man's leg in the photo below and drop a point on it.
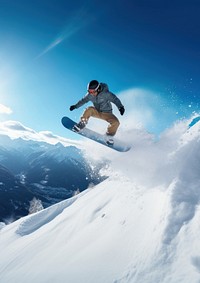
(90, 112)
(108, 117)
(113, 123)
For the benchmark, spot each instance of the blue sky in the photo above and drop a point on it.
(147, 52)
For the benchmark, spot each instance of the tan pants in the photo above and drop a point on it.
(108, 117)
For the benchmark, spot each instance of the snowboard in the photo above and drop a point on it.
(194, 121)
(90, 134)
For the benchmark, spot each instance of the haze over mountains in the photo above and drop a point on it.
(47, 172)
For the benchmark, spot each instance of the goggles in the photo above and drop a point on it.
(93, 90)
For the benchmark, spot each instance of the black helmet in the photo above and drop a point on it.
(93, 85)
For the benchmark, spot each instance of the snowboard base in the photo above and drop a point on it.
(118, 145)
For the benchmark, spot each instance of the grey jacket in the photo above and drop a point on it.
(102, 102)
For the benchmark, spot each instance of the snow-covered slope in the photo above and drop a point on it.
(139, 225)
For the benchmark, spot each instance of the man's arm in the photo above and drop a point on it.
(80, 103)
(114, 99)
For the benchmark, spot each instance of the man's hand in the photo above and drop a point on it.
(72, 107)
(122, 110)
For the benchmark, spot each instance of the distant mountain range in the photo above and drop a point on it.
(50, 173)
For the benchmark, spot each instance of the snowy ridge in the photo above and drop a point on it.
(139, 225)
(33, 222)
(92, 227)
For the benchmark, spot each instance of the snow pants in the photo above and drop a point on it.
(108, 117)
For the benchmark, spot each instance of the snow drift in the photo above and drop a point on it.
(139, 225)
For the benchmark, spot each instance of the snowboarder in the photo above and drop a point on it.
(101, 97)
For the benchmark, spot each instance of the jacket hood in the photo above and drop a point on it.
(104, 87)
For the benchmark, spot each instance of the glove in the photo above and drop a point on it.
(122, 110)
(72, 107)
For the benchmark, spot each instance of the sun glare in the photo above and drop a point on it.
(4, 109)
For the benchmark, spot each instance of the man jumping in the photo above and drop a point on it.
(101, 97)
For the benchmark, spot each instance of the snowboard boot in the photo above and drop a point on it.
(81, 125)
(109, 140)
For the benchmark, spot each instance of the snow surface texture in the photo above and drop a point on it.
(139, 225)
